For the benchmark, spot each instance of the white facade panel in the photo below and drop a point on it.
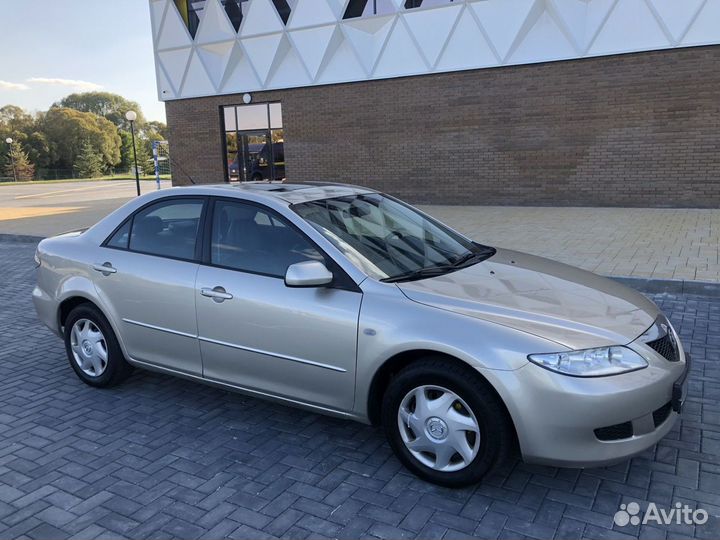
(313, 44)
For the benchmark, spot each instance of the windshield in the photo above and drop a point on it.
(389, 240)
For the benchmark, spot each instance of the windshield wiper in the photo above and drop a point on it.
(421, 273)
(473, 257)
(464, 261)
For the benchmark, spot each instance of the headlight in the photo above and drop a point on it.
(591, 362)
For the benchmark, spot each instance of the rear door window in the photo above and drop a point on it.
(167, 229)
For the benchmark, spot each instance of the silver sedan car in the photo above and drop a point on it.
(348, 302)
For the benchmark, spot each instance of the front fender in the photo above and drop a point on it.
(391, 324)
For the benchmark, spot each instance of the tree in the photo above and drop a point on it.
(110, 106)
(20, 165)
(38, 149)
(156, 131)
(88, 163)
(144, 153)
(67, 129)
(19, 125)
(15, 120)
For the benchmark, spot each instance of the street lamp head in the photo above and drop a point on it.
(131, 116)
(9, 140)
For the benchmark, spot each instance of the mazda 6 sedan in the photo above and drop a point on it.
(348, 302)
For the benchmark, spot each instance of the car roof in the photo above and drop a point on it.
(291, 193)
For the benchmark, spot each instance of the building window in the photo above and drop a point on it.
(283, 8)
(368, 8)
(410, 4)
(254, 142)
(235, 11)
(191, 11)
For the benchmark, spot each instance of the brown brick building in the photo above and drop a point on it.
(638, 129)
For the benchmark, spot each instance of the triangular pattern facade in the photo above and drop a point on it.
(175, 62)
(157, 12)
(623, 20)
(197, 81)
(215, 25)
(368, 37)
(409, 62)
(215, 57)
(239, 73)
(312, 44)
(311, 13)
(431, 29)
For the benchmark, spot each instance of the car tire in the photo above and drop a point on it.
(471, 404)
(93, 349)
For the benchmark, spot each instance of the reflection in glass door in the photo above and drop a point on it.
(254, 143)
(251, 158)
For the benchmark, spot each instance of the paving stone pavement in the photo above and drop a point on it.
(160, 457)
(655, 243)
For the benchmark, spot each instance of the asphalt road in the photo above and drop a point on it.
(49, 209)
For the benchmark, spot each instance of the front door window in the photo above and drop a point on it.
(254, 142)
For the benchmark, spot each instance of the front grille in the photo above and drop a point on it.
(666, 347)
(615, 433)
(661, 414)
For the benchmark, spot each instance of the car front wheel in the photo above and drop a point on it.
(445, 423)
(92, 348)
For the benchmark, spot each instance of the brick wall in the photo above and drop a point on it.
(631, 130)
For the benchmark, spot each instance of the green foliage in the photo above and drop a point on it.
(14, 119)
(20, 166)
(126, 153)
(88, 163)
(66, 131)
(54, 139)
(157, 131)
(144, 153)
(38, 149)
(110, 106)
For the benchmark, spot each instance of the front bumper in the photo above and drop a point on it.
(556, 416)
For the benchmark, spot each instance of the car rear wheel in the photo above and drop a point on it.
(92, 348)
(445, 422)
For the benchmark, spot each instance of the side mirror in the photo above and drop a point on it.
(308, 274)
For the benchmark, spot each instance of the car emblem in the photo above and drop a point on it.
(437, 428)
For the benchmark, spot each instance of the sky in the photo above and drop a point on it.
(52, 48)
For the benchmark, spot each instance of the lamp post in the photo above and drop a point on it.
(12, 157)
(131, 116)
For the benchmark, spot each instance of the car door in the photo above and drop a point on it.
(149, 284)
(256, 333)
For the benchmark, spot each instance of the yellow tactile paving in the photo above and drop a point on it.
(8, 214)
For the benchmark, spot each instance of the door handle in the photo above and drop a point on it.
(218, 294)
(105, 268)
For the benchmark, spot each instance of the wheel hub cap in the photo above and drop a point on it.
(437, 428)
(89, 348)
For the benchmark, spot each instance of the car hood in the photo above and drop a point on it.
(561, 303)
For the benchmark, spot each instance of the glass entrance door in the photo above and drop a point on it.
(254, 142)
(252, 155)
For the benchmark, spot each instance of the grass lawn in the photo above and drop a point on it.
(98, 179)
